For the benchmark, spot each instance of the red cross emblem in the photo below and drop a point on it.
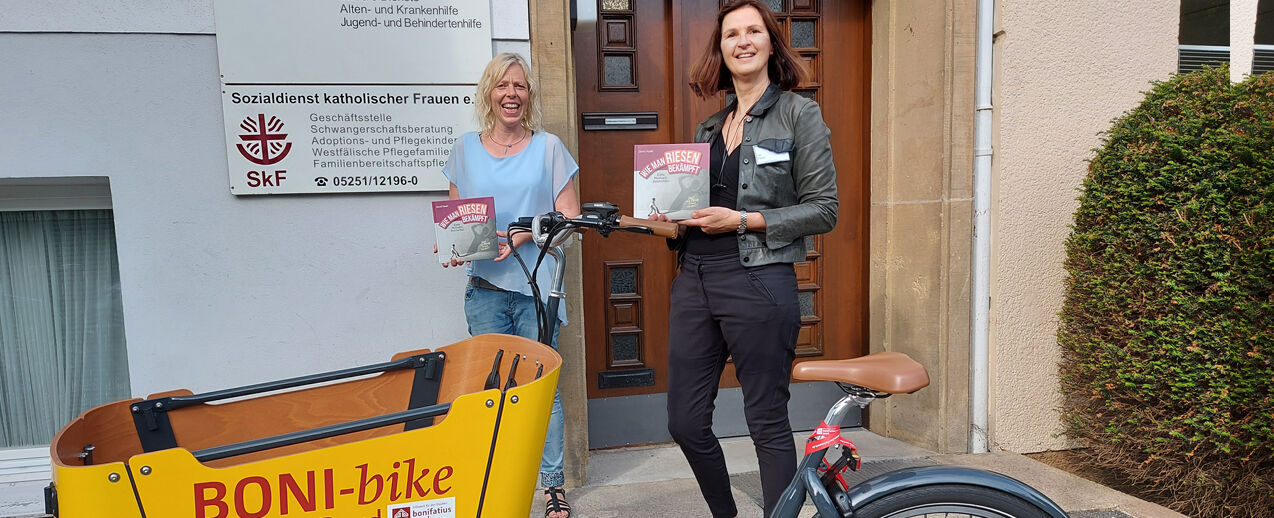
(264, 144)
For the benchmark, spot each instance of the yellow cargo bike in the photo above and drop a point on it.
(453, 432)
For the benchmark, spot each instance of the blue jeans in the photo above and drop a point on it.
(512, 313)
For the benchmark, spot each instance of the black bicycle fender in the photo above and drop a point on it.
(889, 483)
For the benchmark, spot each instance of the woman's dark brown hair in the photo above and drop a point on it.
(710, 74)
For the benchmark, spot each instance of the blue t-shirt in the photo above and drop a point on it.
(523, 184)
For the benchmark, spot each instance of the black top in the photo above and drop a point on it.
(724, 181)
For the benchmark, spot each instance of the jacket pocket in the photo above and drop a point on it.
(776, 145)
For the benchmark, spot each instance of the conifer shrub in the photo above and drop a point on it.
(1167, 329)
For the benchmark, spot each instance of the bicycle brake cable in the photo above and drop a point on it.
(530, 276)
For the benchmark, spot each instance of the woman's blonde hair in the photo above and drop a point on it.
(531, 117)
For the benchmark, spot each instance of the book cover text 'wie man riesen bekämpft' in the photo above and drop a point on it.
(670, 179)
(465, 229)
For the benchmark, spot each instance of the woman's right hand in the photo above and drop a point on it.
(681, 228)
(454, 261)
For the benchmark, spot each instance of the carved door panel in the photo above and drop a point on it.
(632, 69)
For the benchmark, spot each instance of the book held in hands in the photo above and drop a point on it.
(670, 179)
(465, 229)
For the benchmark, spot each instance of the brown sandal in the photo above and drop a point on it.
(556, 503)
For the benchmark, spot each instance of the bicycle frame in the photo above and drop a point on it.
(793, 497)
(834, 501)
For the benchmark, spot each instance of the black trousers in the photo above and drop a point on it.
(721, 309)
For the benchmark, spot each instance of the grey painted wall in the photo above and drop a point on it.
(218, 290)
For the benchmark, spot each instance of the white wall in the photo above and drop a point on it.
(1065, 70)
(1242, 34)
(218, 290)
(156, 16)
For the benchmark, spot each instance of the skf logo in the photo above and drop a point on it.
(401, 512)
(265, 144)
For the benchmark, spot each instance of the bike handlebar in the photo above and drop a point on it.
(666, 229)
(603, 218)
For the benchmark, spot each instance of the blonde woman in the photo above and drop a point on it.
(528, 171)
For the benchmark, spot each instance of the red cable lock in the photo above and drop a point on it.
(824, 437)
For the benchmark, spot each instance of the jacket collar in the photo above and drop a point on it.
(767, 100)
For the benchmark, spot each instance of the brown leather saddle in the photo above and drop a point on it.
(891, 372)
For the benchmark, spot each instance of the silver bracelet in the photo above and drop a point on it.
(743, 222)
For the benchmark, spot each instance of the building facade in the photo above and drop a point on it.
(116, 106)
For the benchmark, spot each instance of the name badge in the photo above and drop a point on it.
(765, 156)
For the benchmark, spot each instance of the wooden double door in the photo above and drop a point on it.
(632, 71)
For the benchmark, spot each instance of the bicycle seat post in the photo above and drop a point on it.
(856, 398)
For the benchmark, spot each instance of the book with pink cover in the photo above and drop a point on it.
(670, 179)
(465, 229)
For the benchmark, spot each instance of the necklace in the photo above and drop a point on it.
(491, 137)
(744, 108)
(734, 125)
(727, 136)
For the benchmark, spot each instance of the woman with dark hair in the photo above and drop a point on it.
(735, 296)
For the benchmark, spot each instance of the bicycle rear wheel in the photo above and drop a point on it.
(950, 501)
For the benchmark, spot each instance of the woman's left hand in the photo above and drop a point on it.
(714, 220)
(519, 239)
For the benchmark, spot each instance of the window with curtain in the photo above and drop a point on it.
(1263, 57)
(62, 347)
(1204, 38)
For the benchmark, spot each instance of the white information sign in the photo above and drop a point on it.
(352, 41)
(326, 96)
(293, 139)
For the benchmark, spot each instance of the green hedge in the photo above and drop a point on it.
(1167, 330)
